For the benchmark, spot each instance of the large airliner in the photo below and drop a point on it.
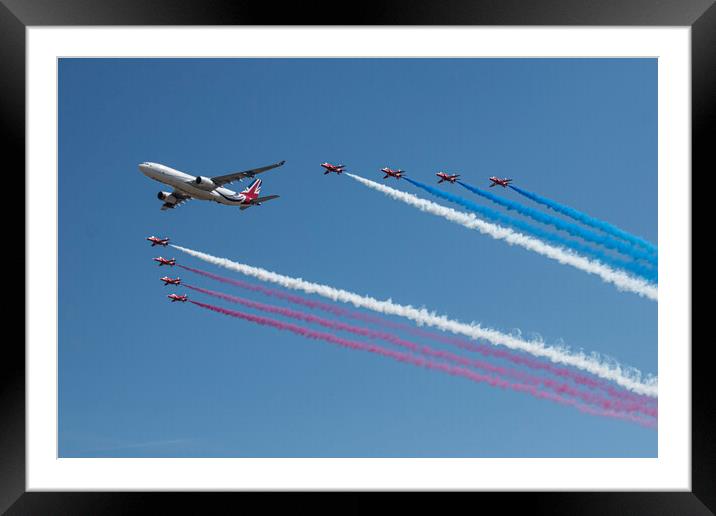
(187, 186)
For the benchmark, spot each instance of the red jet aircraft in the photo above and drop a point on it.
(444, 176)
(176, 297)
(169, 281)
(389, 172)
(333, 168)
(158, 241)
(504, 182)
(164, 261)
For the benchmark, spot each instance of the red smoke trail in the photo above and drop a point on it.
(485, 350)
(561, 388)
(429, 364)
(532, 363)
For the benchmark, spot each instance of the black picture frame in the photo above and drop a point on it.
(17, 15)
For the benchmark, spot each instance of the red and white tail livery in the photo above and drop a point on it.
(252, 191)
(250, 196)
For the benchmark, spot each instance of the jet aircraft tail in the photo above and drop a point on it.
(253, 188)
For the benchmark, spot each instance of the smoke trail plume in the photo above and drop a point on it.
(483, 349)
(630, 379)
(428, 364)
(646, 272)
(620, 279)
(572, 229)
(587, 219)
(559, 387)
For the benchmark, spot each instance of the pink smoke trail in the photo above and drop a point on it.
(484, 350)
(429, 364)
(561, 388)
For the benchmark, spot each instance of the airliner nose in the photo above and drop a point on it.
(144, 169)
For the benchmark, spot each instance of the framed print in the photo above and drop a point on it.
(414, 251)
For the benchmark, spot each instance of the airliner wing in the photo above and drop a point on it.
(258, 201)
(229, 178)
(179, 195)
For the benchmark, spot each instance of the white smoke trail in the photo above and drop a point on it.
(628, 378)
(621, 280)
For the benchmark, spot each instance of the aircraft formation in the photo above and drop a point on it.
(635, 270)
(186, 186)
(628, 400)
(398, 173)
(170, 262)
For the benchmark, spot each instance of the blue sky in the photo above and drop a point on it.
(140, 377)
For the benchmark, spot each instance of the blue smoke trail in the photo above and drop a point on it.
(586, 219)
(647, 273)
(572, 229)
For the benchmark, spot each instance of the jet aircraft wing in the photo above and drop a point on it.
(230, 178)
(258, 201)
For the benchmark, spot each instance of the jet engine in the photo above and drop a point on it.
(167, 197)
(204, 183)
